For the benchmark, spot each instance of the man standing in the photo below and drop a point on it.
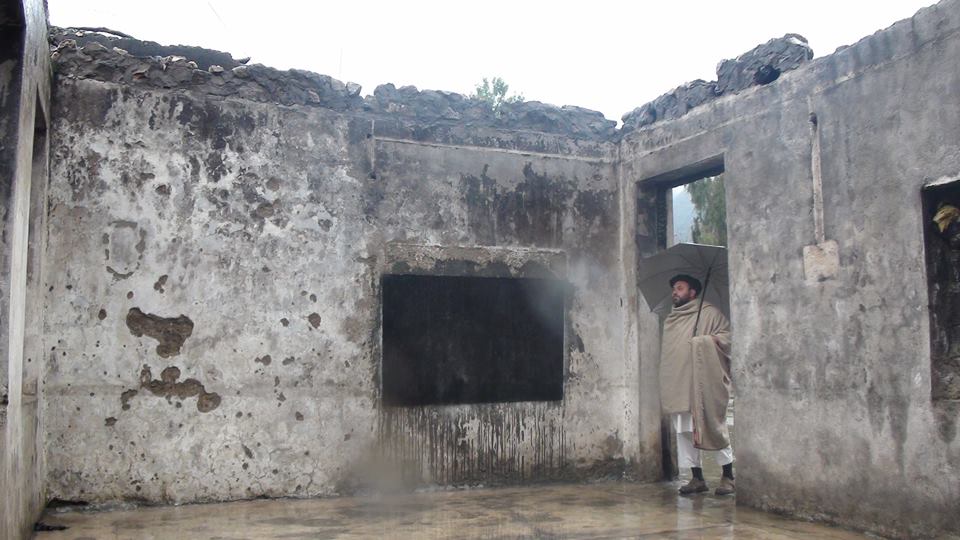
(695, 382)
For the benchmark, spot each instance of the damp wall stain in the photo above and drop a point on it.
(482, 444)
(532, 211)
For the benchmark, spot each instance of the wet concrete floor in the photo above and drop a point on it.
(575, 511)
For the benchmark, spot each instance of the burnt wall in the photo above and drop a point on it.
(24, 108)
(835, 418)
(215, 331)
(210, 332)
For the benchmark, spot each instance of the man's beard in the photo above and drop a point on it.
(677, 302)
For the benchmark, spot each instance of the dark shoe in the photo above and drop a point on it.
(694, 486)
(727, 486)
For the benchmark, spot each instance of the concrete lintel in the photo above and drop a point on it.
(481, 261)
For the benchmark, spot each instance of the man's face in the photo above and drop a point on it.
(682, 293)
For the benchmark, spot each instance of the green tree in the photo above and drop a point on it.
(710, 211)
(493, 92)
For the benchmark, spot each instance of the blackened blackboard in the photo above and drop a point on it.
(450, 340)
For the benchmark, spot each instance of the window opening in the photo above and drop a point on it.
(941, 217)
(699, 213)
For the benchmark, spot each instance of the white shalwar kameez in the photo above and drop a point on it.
(688, 455)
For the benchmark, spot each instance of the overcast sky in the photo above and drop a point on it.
(610, 56)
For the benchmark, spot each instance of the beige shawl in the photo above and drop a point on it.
(695, 371)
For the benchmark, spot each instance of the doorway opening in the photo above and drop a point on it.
(687, 205)
(36, 242)
(12, 32)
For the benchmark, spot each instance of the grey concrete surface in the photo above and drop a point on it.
(835, 417)
(24, 109)
(210, 303)
(264, 230)
(590, 511)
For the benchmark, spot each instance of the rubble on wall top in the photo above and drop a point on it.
(763, 64)
(204, 58)
(90, 55)
(72, 56)
(125, 60)
(759, 66)
(434, 105)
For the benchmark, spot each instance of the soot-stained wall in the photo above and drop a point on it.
(835, 418)
(215, 329)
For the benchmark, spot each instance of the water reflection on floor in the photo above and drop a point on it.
(603, 510)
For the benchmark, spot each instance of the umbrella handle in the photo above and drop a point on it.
(700, 307)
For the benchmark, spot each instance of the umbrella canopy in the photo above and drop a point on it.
(654, 273)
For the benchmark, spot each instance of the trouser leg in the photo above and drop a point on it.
(688, 456)
(724, 457)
